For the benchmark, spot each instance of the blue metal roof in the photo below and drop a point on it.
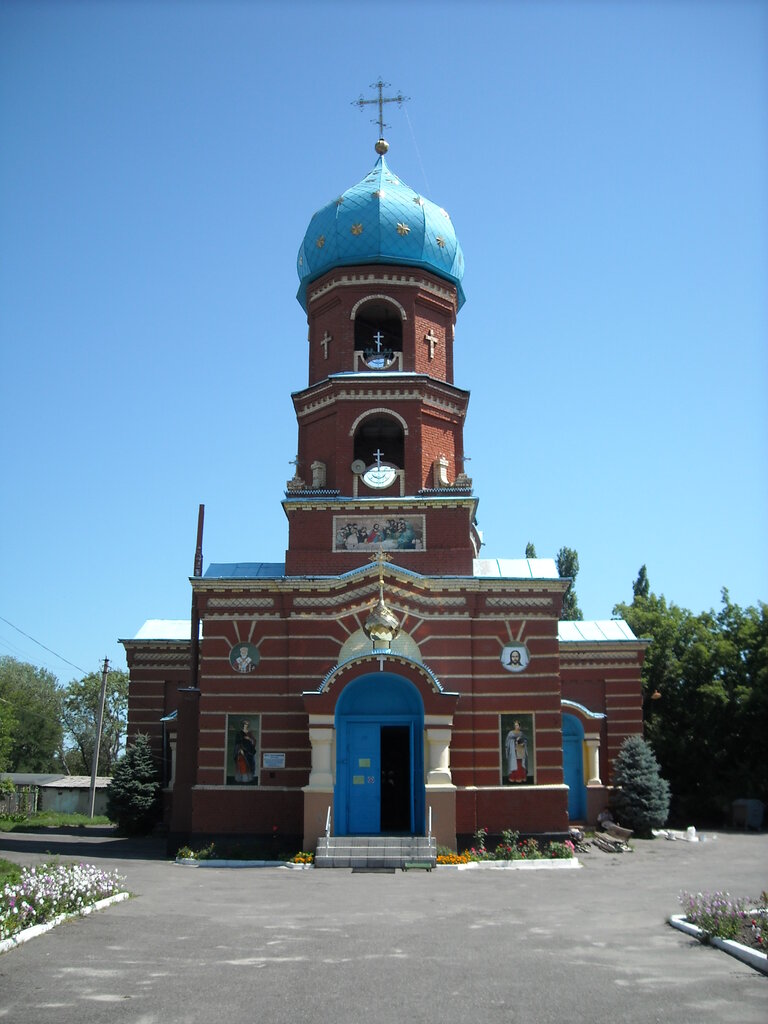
(380, 220)
(245, 570)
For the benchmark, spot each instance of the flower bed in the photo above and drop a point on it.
(512, 847)
(50, 891)
(720, 915)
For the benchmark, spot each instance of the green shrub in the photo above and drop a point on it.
(641, 800)
(133, 796)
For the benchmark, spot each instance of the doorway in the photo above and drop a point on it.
(573, 767)
(379, 758)
(395, 778)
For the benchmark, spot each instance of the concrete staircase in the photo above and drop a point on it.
(370, 852)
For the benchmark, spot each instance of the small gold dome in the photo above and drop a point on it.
(381, 147)
(381, 625)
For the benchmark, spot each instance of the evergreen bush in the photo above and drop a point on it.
(641, 800)
(133, 795)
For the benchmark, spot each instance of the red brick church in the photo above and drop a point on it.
(385, 679)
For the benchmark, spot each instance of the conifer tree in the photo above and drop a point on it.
(641, 588)
(567, 561)
(133, 796)
(641, 800)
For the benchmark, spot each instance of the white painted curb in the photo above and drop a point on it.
(190, 862)
(570, 864)
(751, 957)
(41, 929)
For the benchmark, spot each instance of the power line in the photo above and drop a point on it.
(54, 653)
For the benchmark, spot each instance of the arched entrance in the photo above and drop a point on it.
(573, 766)
(379, 757)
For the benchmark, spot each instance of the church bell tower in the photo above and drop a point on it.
(380, 460)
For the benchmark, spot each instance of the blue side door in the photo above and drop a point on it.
(573, 767)
(364, 777)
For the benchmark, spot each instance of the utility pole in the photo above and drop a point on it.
(95, 765)
(195, 615)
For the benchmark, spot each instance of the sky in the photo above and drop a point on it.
(605, 166)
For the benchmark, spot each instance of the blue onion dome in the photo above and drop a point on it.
(380, 220)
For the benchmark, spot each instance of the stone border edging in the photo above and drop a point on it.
(748, 956)
(545, 864)
(190, 862)
(40, 929)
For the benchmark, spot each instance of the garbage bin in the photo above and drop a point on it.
(748, 813)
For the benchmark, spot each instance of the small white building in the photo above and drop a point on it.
(67, 794)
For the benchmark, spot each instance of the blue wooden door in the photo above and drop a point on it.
(364, 777)
(573, 767)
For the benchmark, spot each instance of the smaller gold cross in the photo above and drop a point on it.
(381, 559)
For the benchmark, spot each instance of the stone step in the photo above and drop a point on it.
(374, 851)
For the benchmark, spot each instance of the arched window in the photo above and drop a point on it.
(382, 434)
(378, 331)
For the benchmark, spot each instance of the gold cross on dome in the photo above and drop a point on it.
(381, 100)
(381, 559)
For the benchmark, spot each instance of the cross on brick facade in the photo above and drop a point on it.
(325, 342)
(432, 339)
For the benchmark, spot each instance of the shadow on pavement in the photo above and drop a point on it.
(84, 842)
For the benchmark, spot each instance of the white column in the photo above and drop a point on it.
(172, 745)
(321, 775)
(593, 760)
(438, 757)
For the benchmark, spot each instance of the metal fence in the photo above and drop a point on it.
(23, 800)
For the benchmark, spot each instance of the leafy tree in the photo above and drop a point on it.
(7, 730)
(642, 800)
(133, 795)
(707, 727)
(80, 715)
(641, 587)
(568, 566)
(31, 733)
(530, 550)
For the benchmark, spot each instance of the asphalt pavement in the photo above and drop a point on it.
(280, 946)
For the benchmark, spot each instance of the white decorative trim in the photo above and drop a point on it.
(580, 707)
(518, 602)
(395, 278)
(372, 412)
(378, 295)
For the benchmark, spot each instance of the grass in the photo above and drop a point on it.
(49, 819)
(10, 873)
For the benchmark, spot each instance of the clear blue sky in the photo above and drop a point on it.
(605, 167)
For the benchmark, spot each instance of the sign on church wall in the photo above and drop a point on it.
(243, 750)
(244, 658)
(518, 754)
(515, 657)
(361, 533)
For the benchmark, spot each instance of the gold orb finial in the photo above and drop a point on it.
(381, 147)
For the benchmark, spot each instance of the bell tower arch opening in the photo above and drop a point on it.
(378, 331)
(380, 433)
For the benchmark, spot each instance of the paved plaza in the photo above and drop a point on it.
(280, 946)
